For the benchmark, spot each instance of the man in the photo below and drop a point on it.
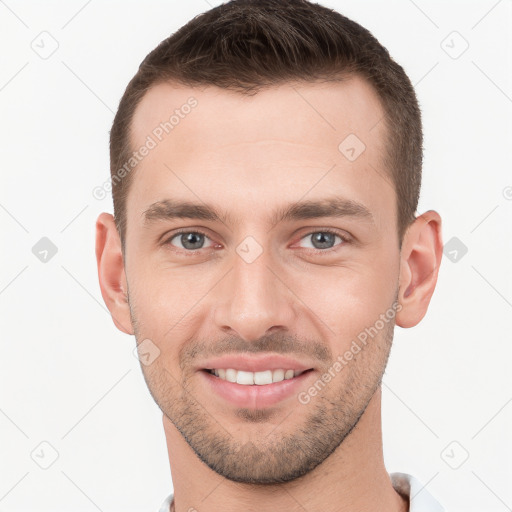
(266, 168)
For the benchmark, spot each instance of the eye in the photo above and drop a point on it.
(322, 240)
(190, 240)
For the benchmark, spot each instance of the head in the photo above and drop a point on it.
(272, 212)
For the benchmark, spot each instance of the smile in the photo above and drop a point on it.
(260, 378)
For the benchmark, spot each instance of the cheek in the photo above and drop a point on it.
(166, 301)
(348, 300)
(161, 291)
(155, 296)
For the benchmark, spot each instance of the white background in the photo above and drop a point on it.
(70, 379)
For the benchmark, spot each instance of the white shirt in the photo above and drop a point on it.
(407, 485)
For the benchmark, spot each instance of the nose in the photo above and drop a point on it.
(253, 300)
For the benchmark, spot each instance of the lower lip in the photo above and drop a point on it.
(256, 396)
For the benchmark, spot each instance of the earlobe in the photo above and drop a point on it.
(111, 272)
(420, 257)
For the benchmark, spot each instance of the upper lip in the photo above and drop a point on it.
(255, 363)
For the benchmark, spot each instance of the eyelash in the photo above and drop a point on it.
(344, 240)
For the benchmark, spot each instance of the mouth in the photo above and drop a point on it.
(255, 390)
(260, 378)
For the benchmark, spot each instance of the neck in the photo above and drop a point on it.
(352, 478)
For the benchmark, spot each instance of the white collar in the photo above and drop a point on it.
(420, 499)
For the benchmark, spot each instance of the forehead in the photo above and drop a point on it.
(288, 111)
(209, 143)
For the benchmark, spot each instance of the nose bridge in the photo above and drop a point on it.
(253, 299)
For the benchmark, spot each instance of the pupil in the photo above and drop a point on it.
(323, 240)
(192, 240)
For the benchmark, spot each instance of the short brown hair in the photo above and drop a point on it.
(247, 45)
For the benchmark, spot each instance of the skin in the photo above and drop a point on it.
(249, 156)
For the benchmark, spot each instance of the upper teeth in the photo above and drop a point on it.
(260, 378)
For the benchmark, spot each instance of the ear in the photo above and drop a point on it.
(420, 257)
(111, 273)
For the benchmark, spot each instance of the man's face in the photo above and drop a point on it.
(254, 284)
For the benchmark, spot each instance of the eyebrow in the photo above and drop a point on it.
(168, 209)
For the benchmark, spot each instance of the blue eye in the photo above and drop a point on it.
(190, 240)
(322, 240)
